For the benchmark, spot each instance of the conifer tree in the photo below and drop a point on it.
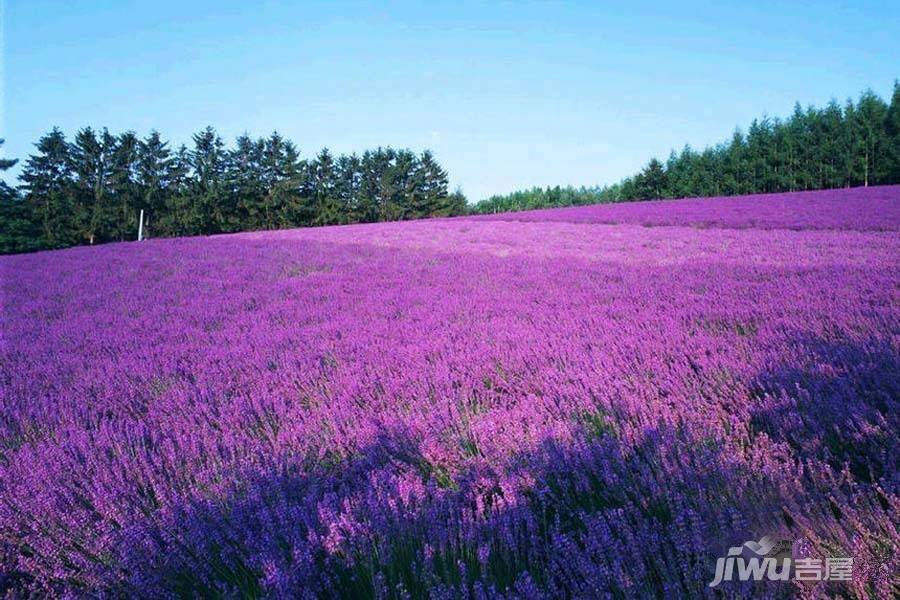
(47, 183)
(178, 216)
(247, 183)
(349, 186)
(18, 230)
(651, 183)
(871, 113)
(124, 186)
(328, 210)
(892, 136)
(432, 188)
(368, 204)
(210, 210)
(155, 179)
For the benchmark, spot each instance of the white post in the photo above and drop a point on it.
(141, 226)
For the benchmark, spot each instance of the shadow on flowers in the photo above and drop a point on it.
(837, 402)
(598, 515)
(624, 507)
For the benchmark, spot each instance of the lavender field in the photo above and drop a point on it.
(588, 402)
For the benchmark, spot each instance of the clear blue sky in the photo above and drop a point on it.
(507, 94)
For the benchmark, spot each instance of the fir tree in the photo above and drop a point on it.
(18, 230)
(47, 182)
(892, 135)
(155, 179)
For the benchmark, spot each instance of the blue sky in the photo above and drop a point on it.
(507, 94)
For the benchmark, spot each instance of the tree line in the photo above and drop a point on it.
(855, 144)
(92, 189)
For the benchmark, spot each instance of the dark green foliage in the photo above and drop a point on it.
(652, 182)
(48, 184)
(546, 197)
(817, 148)
(18, 227)
(323, 188)
(454, 204)
(157, 176)
(892, 134)
(93, 189)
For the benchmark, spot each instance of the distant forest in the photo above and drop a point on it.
(857, 144)
(92, 189)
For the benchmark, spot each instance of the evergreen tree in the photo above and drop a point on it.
(734, 167)
(871, 113)
(125, 187)
(368, 203)
(274, 160)
(247, 183)
(210, 210)
(349, 187)
(324, 191)
(402, 187)
(892, 136)
(830, 146)
(283, 176)
(91, 161)
(155, 180)
(47, 182)
(179, 218)
(455, 204)
(651, 183)
(432, 182)
(759, 142)
(678, 172)
(851, 148)
(18, 230)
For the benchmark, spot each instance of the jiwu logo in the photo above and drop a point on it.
(756, 561)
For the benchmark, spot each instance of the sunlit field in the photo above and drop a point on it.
(587, 402)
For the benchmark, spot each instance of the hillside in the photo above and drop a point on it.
(864, 209)
(574, 402)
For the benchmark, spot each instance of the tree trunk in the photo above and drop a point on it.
(866, 170)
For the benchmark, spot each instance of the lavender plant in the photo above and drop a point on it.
(540, 406)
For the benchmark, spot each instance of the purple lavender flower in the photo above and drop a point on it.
(555, 403)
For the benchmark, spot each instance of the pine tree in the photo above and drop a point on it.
(47, 182)
(282, 177)
(349, 186)
(124, 185)
(759, 142)
(433, 188)
(734, 166)
(678, 169)
(831, 120)
(210, 210)
(853, 147)
(892, 136)
(18, 230)
(178, 217)
(246, 182)
(455, 204)
(155, 180)
(328, 209)
(651, 183)
(273, 160)
(95, 214)
(870, 118)
(368, 203)
(398, 186)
